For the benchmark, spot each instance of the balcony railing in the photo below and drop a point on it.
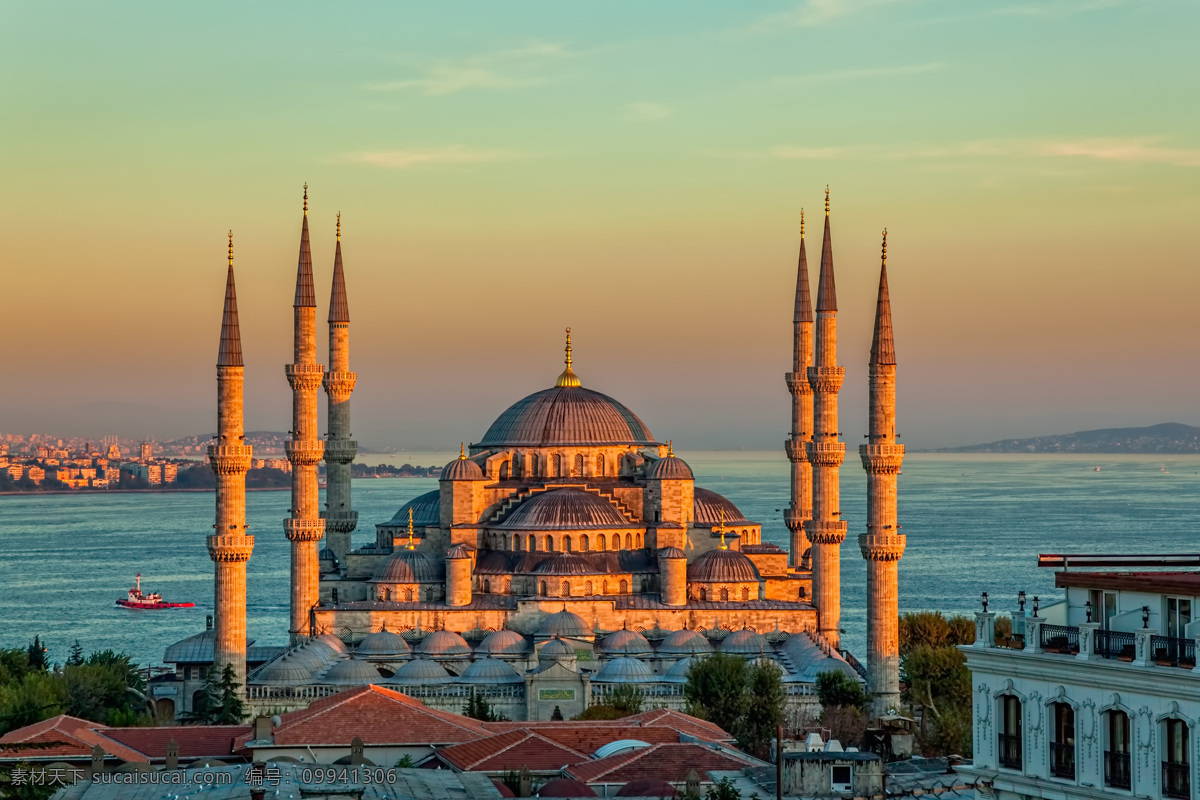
(1010, 751)
(1114, 644)
(1116, 770)
(1060, 639)
(1062, 760)
(1173, 652)
(1175, 780)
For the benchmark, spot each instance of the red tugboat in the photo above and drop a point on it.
(136, 599)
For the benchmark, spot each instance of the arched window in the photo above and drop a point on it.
(624, 586)
(532, 543)
(566, 544)
(549, 543)
(587, 588)
(533, 465)
(628, 541)
(604, 587)
(1009, 731)
(745, 593)
(408, 595)
(724, 595)
(579, 465)
(583, 543)
(543, 589)
(429, 594)
(704, 594)
(558, 470)
(516, 542)
(1116, 750)
(504, 471)
(1062, 742)
(487, 587)
(601, 543)
(566, 589)
(387, 595)
(639, 540)
(600, 465)
(1175, 758)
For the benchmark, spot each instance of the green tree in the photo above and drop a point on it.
(232, 708)
(206, 707)
(936, 676)
(14, 664)
(480, 709)
(934, 629)
(950, 731)
(75, 658)
(723, 790)
(765, 702)
(626, 699)
(93, 690)
(36, 696)
(37, 654)
(716, 689)
(405, 763)
(836, 688)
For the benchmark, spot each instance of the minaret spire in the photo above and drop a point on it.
(340, 450)
(882, 545)
(826, 530)
(304, 526)
(230, 546)
(800, 508)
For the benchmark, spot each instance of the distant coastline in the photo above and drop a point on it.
(1168, 438)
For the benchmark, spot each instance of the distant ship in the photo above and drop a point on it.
(136, 599)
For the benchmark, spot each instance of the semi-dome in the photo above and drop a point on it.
(707, 506)
(459, 551)
(566, 415)
(426, 511)
(671, 552)
(624, 670)
(504, 643)
(745, 642)
(490, 670)
(567, 564)
(407, 566)
(684, 642)
(722, 566)
(286, 670)
(563, 623)
(556, 648)
(626, 641)
(444, 644)
(670, 468)
(420, 670)
(565, 510)
(462, 469)
(383, 643)
(351, 672)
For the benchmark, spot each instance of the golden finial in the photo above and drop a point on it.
(568, 376)
(339, 226)
(670, 448)
(723, 529)
(306, 199)
(410, 529)
(462, 451)
(802, 223)
(827, 200)
(231, 249)
(884, 247)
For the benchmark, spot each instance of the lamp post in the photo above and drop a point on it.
(1021, 600)
(985, 602)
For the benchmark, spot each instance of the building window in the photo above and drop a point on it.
(624, 587)
(604, 587)
(566, 544)
(602, 543)
(543, 589)
(1010, 732)
(745, 594)
(429, 595)
(533, 465)
(1179, 614)
(504, 471)
(703, 594)
(408, 595)
(724, 595)
(387, 595)
(583, 543)
(587, 588)
(558, 470)
(841, 778)
(600, 465)
(549, 544)
(487, 587)
(1062, 746)
(628, 541)
(1175, 781)
(532, 543)
(566, 589)
(1116, 751)
(516, 542)
(579, 465)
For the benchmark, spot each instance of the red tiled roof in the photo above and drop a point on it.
(194, 741)
(684, 723)
(73, 738)
(668, 762)
(377, 715)
(565, 787)
(511, 750)
(659, 717)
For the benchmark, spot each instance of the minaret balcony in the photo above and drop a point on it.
(825, 531)
(304, 453)
(230, 459)
(340, 451)
(881, 546)
(230, 547)
(305, 377)
(340, 521)
(881, 459)
(796, 449)
(304, 530)
(340, 384)
(827, 380)
(826, 454)
(797, 383)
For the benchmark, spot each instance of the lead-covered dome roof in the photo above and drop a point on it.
(722, 566)
(624, 670)
(566, 415)
(490, 670)
(462, 469)
(426, 510)
(707, 506)
(383, 643)
(627, 642)
(670, 468)
(745, 642)
(420, 670)
(407, 566)
(563, 623)
(504, 642)
(684, 641)
(565, 510)
(443, 644)
(567, 564)
(351, 672)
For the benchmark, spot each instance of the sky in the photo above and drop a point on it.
(634, 171)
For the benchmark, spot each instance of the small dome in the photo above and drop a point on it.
(671, 552)
(624, 670)
(556, 648)
(684, 642)
(332, 642)
(316, 653)
(326, 555)
(444, 644)
(406, 566)
(426, 508)
(286, 670)
(627, 642)
(679, 670)
(567, 564)
(707, 506)
(459, 551)
(504, 643)
(722, 566)
(670, 468)
(490, 670)
(420, 670)
(383, 643)
(647, 787)
(565, 510)
(462, 469)
(351, 672)
(563, 623)
(566, 787)
(745, 642)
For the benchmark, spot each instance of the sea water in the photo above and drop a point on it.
(974, 523)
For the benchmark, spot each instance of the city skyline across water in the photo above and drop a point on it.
(71, 557)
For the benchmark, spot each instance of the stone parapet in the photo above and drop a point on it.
(304, 452)
(795, 519)
(339, 385)
(340, 521)
(305, 377)
(304, 530)
(230, 459)
(826, 380)
(881, 459)
(826, 454)
(825, 532)
(340, 451)
(796, 450)
(230, 547)
(797, 383)
(881, 546)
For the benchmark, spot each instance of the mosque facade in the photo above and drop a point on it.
(565, 552)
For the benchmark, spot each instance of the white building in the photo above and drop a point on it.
(1103, 698)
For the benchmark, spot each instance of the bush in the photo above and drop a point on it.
(847, 724)
(836, 688)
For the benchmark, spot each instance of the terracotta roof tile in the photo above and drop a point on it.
(512, 750)
(669, 762)
(195, 741)
(77, 738)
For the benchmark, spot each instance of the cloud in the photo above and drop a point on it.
(648, 111)
(841, 76)
(449, 154)
(814, 13)
(504, 69)
(1135, 151)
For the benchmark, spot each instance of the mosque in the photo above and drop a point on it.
(566, 552)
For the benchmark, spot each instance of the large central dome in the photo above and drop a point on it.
(566, 415)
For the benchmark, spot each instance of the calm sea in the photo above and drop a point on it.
(974, 523)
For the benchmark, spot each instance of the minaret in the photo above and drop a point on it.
(800, 509)
(340, 516)
(883, 544)
(230, 546)
(304, 527)
(826, 530)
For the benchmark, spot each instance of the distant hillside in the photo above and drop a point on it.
(1169, 437)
